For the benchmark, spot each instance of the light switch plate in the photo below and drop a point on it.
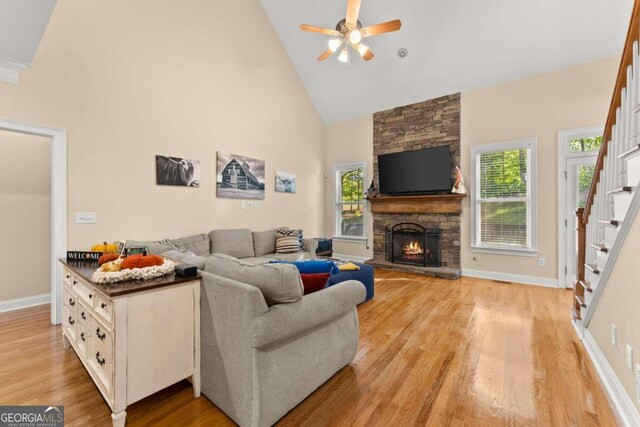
(243, 204)
(256, 204)
(85, 217)
(629, 357)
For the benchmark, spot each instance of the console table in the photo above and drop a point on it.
(134, 338)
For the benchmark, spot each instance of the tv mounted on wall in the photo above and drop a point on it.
(426, 171)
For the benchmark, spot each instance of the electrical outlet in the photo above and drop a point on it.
(541, 262)
(629, 357)
(614, 335)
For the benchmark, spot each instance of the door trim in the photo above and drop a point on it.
(58, 203)
(564, 136)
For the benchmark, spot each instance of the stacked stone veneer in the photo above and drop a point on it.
(426, 124)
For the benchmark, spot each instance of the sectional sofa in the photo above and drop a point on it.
(265, 346)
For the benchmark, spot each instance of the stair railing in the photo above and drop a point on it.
(621, 135)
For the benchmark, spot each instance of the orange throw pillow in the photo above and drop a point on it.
(141, 261)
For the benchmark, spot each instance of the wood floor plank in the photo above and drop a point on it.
(432, 352)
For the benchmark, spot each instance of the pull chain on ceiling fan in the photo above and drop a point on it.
(349, 32)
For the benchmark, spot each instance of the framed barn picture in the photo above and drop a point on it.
(239, 177)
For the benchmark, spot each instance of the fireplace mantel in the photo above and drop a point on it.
(440, 204)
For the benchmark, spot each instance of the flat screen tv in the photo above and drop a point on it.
(426, 171)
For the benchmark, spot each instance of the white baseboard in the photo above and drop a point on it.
(621, 400)
(516, 278)
(18, 303)
(352, 257)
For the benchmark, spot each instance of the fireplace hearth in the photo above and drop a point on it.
(412, 244)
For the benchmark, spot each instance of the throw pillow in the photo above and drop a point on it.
(314, 282)
(288, 241)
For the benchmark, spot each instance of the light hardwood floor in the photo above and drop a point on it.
(432, 352)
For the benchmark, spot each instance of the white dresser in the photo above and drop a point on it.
(134, 338)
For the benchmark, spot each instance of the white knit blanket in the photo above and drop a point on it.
(106, 277)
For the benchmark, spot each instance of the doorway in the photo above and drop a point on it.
(58, 139)
(577, 155)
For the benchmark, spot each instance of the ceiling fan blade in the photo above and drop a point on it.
(311, 28)
(385, 27)
(327, 53)
(368, 55)
(353, 9)
(364, 51)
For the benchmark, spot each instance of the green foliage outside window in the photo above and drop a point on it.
(585, 144)
(503, 174)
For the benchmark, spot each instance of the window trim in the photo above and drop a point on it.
(334, 205)
(532, 197)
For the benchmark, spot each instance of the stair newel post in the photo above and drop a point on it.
(578, 291)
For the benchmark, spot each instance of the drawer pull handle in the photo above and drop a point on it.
(82, 336)
(101, 336)
(68, 276)
(71, 302)
(83, 316)
(75, 282)
(90, 295)
(71, 321)
(100, 361)
(103, 305)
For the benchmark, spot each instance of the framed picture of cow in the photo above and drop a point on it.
(285, 182)
(239, 177)
(177, 171)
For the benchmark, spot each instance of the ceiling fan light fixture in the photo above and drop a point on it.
(344, 56)
(334, 44)
(355, 36)
(362, 49)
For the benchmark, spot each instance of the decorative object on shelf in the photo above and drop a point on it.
(458, 187)
(285, 182)
(137, 250)
(123, 275)
(107, 258)
(177, 171)
(105, 248)
(83, 256)
(239, 177)
(349, 33)
(141, 261)
(371, 191)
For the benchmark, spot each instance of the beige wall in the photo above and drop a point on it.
(348, 142)
(537, 106)
(618, 305)
(130, 80)
(25, 215)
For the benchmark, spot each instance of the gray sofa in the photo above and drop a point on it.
(265, 346)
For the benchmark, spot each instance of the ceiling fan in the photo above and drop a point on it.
(349, 32)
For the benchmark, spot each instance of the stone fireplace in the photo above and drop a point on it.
(413, 244)
(426, 124)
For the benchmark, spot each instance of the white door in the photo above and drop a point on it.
(579, 175)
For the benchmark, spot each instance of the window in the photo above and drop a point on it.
(349, 216)
(504, 207)
(579, 145)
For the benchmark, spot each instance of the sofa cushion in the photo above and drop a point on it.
(288, 241)
(155, 246)
(264, 242)
(296, 256)
(186, 257)
(237, 243)
(256, 260)
(198, 244)
(279, 283)
(314, 282)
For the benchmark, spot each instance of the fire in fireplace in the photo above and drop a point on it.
(410, 243)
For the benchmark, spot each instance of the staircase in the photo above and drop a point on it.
(614, 200)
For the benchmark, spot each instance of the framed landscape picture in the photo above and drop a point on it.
(285, 182)
(239, 177)
(177, 171)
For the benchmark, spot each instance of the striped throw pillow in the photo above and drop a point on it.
(288, 241)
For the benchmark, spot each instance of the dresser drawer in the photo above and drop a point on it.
(84, 292)
(70, 321)
(84, 335)
(104, 307)
(100, 357)
(68, 298)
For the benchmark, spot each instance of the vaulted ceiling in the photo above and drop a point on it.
(453, 45)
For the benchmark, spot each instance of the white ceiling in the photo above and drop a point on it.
(22, 24)
(454, 46)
